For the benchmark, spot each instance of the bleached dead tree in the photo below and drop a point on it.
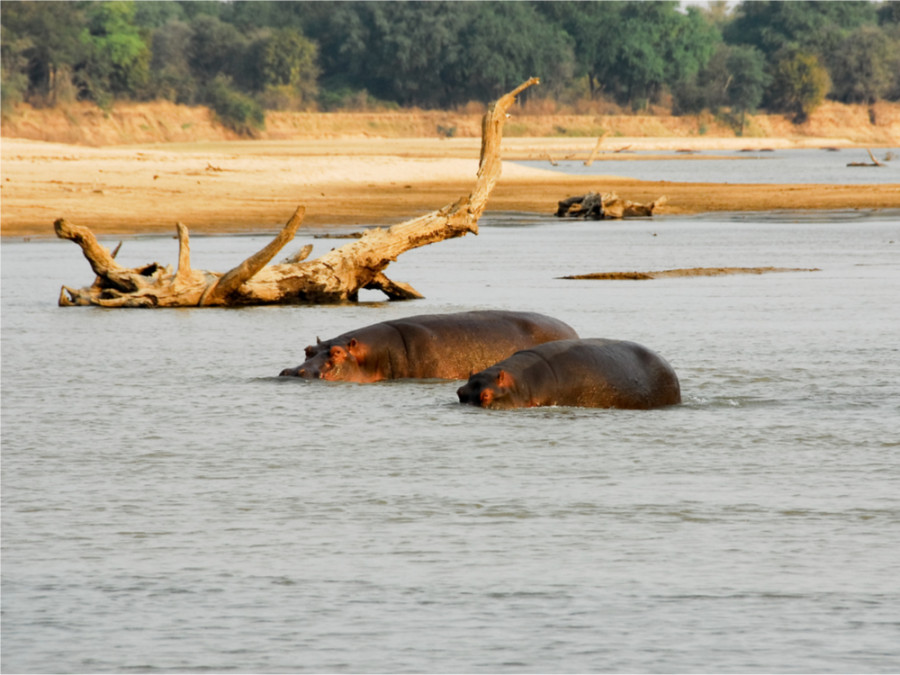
(336, 276)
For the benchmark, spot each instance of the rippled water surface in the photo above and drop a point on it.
(171, 505)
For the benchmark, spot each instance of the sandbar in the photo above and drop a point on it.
(254, 186)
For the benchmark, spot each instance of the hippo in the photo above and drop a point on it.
(444, 346)
(590, 373)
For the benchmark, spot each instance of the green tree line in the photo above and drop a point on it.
(242, 58)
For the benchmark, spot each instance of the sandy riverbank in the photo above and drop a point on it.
(242, 186)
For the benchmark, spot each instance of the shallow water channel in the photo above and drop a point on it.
(169, 504)
(781, 166)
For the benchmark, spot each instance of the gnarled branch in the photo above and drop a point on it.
(336, 276)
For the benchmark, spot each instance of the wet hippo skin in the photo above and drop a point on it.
(591, 373)
(446, 346)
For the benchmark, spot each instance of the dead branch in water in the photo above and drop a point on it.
(595, 151)
(336, 276)
(874, 161)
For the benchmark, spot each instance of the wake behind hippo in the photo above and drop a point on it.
(445, 346)
(593, 373)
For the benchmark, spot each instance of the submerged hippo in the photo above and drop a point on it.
(448, 346)
(593, 373)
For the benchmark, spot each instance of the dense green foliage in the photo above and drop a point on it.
(243, 57)
(799, 82)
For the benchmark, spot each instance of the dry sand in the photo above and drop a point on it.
(244, 186)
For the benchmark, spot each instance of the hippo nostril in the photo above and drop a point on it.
(287, 372)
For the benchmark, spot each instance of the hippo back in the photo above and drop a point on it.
(593, 373)
(612, 374)
(446, 346)
(453, 346)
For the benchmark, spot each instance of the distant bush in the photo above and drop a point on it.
(283, 97)
(12, 92)
(689, 97)
(863, 67)
(355, 100)
(235, 110)
(799, 84)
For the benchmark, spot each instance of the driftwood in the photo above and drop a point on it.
(874, 161)
(336, 276)
(595, 151)
(550, 159)
(598, 206)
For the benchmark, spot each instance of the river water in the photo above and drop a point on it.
(169, 504)
(794, 165)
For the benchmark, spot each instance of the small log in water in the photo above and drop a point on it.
(874, 161)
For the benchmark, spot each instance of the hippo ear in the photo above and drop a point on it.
(356, 348)
(318, 340)
(504, 379)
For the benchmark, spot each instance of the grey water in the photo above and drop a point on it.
(816, 166)
(170, 505)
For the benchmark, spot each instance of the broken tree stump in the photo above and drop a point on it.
(596, 206)
(334, 277)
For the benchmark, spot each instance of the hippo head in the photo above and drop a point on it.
(332, 361)
(491, 388)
